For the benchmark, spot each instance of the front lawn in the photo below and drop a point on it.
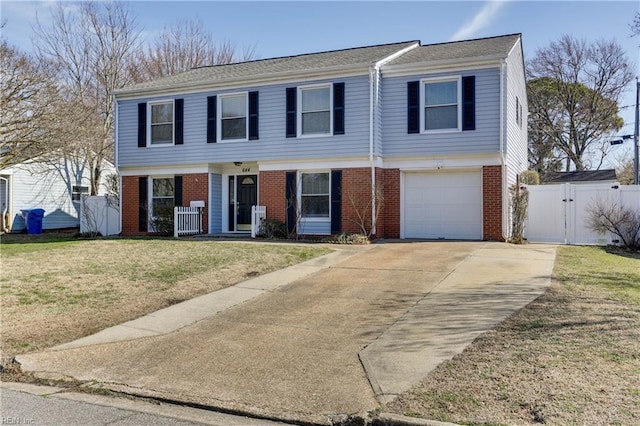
(570, 357)
(54, 290)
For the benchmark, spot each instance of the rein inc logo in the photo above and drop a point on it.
(18, 421)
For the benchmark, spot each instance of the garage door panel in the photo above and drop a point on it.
(443, 205)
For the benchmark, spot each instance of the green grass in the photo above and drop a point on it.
(570, 357)
(613, 272)
(58, 289)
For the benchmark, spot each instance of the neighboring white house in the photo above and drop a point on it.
(35, 185)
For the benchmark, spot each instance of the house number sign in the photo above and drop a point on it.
(246, 169)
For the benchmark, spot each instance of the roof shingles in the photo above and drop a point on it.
(364, 56)
(322, 61)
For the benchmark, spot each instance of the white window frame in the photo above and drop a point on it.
(301, 89)
(423, 83)
(77, 191)
(219, 118)
(151, 197)
(299, 195)
(150, 104)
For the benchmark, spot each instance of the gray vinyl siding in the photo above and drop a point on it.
(314, 228)
(516, 135)
(484, 139)
(215, 204)
(272, 145)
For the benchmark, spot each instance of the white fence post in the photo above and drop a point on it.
(257, 214)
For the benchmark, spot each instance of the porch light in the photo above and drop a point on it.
(238, 163)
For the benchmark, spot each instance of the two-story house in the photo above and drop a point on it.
(424, 139)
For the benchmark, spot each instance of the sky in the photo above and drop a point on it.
(295, 27)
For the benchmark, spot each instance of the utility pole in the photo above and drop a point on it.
(635, 136)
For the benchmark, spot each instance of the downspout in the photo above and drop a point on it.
(373, 81)
(117, 162)
(374, 105)
(5, 228)
(505, 193)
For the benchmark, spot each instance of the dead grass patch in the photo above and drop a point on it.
(55, 291)
(570, 357)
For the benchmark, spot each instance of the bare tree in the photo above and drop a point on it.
(28, 122)
(91, 46)
(181, 47)
(617, 219)
(365, 210)
(635, 26)
(574, 88)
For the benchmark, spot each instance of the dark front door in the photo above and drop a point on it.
(247, 196)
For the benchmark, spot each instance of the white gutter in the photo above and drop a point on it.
(374, 104)
(505, 192)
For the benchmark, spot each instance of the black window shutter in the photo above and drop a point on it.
(413, 109)
(179, 116)
(336, 201)
(291, 200)
(292, 94)
(469, 102)
(177, 190)
(253, 115)
(338, 108)
(142, 125)
(143, 206)
(211, 119)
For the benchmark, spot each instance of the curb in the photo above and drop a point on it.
(390, 419)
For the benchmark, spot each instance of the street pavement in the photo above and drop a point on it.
(24, 404)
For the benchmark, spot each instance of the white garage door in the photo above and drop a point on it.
(443, 205)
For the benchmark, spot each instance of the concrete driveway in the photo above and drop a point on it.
(340, 341)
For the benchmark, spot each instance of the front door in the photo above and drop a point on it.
(246, 197)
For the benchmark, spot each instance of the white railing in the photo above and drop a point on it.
(187, 220)
(257, 214)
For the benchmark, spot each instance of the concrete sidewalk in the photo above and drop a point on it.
(296, 352)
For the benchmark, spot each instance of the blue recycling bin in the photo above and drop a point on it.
(33, 219)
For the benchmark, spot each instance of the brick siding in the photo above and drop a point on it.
(194, 187)
(389, 218)
(492, 203)
(272, 194)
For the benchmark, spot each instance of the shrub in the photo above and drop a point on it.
(272, 228)
(622, 221)
(345, 238)
(530, 177)
(519, 205)
(162, 221)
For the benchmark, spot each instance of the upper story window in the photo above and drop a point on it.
(234, 110)
(441, 104)
(315, 194)
(315, 110)
(161, 123)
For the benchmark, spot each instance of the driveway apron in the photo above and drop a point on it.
(292, 353)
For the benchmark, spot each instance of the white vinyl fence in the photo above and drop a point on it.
(187, 220)
(99, 214)
(558, 213)
(257, 214)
